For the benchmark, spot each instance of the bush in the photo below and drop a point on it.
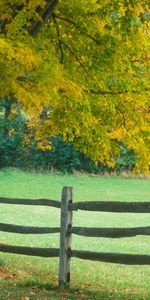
(18, 148)
(11, 140)
(126, 160)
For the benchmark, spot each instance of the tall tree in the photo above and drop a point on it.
(81, 69)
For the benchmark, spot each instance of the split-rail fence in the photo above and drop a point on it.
(66, 229)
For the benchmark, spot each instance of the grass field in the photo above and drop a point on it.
(27, 278)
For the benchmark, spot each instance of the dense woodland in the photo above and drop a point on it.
(75, 75)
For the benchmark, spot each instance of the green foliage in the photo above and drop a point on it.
(61, 157)
(126, 160)
(18, 148)
(11, 140)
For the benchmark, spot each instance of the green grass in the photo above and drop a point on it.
(25, 277)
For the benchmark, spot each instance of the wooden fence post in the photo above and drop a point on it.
(65, 237)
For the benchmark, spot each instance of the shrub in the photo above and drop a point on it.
(18, 148)
(126, 160)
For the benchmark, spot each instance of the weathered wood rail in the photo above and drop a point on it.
(113, 206)
(20, 201)
(66, 229)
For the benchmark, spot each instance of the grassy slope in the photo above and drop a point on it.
(36, 277)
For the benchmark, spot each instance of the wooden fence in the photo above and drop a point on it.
(65, 253)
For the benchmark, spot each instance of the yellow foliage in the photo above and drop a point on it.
(88, 68)
(44, 145)
(118, 134)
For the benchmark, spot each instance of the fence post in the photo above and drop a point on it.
(65, 236)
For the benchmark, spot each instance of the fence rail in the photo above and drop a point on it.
(83, 231)
(117, 258)
(66, 229)
(27, 229)
(110, 232)
(103, 206)
(113, 206)
(32, 251)
(22, 201)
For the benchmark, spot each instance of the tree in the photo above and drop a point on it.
(80, 69)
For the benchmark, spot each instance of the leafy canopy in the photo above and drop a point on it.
(80, 69)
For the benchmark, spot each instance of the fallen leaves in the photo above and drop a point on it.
(5, 273)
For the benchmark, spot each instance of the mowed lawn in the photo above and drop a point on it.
(24, 278)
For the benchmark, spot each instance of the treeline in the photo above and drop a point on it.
(19, 148)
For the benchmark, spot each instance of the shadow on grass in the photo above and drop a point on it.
(35, 290)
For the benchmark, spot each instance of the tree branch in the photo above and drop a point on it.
(124, 123)
(100, 92)
(35, 27)
(59, 39)
(82, 30)
(75, 56)
(45, 15)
